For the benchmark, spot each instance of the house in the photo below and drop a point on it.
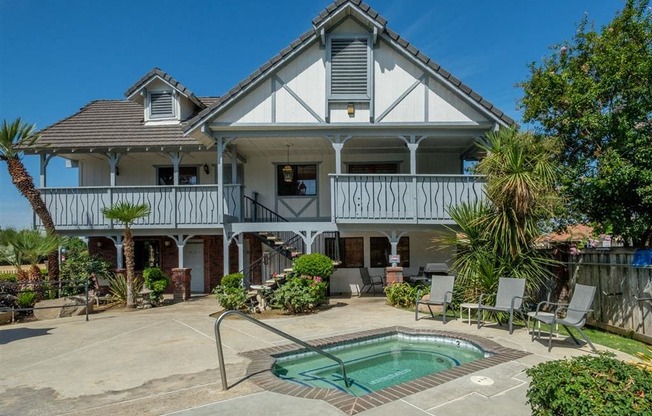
(349, 142)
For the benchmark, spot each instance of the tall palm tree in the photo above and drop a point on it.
(14, 137)
(127, 213)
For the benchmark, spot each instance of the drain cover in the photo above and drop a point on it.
(482, 380)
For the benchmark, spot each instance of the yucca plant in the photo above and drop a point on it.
(495, 238)
(119, 288)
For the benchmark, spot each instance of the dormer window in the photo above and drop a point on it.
(350, 68)
(162, 104)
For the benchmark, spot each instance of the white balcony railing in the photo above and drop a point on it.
(401, 198)
(170, 206)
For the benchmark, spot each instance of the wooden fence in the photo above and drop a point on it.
(619, 284)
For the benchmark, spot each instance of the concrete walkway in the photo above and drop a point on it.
(164, 361)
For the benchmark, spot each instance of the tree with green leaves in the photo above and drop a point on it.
(594, 93)
(14, 138)
(127, 213)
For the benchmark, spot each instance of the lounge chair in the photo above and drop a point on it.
(576, 312)
(370, 281)
(508, 299)
(441, 293)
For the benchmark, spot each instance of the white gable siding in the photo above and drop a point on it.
(349, 27)
(255, 107)
(305, 77)
(394, 75)
(443, 105)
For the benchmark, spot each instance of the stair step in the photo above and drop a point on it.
(279, 242)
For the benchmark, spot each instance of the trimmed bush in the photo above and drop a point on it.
(232, 280)
(156, 281)
(589, 385)
(231, 295)
(314, 264)
(26, 299)
(300, 295)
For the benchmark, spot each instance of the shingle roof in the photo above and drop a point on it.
(112, 124)
(310, 35)
(167, 78)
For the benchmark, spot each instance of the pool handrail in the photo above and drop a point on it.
(220, 353)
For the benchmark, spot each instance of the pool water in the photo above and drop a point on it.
(377, 363)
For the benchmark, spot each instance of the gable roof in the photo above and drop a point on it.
(106, 124)
(158, 73)
(308, 37)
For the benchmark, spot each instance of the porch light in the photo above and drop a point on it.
(350, 109)
(287, 170)
(206, 169)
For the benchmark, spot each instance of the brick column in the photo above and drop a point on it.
(393, 275)
(181, 281)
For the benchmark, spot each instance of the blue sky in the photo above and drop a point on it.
(56, 56)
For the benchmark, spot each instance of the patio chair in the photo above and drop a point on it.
(416, 278)
(508, 299)
(576, 312)
(441, 293)
(370, 281)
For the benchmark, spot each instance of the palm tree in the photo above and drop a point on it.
(27, 245)
(14, 137)
(127, 213)
(496, 237)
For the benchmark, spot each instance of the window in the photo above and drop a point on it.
(380, 249)
(349, 62)
(373, 168)
(351, 251)
(161, 104)
(147, 253)
(304, 181)
(187, 175)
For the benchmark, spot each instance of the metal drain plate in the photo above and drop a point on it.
(482, 380)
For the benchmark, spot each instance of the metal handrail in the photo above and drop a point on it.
(220, 353)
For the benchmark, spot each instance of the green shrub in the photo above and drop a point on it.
(156, 281)
(76, 270)
(314, 264)
(233, 280)
(118, 286)
(231, 298)
(26, 299)
(589, 385)
(231, 295)
(8, 277)
(300, 294)
(402, 295)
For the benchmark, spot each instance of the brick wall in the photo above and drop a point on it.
(104, 248)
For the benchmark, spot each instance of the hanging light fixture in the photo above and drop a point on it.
(287, 170)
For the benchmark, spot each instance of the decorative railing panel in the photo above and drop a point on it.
(170, 206)
(402, 198)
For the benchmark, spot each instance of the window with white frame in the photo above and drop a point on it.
(161, 104)
(349, 68)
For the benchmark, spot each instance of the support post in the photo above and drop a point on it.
(113, 158)
(44, 160)
(220, 179)
(175, 158)
(240, 242)
(413, 157)
(119, 255)
(338, 157)
(225, 252)
(234, 164)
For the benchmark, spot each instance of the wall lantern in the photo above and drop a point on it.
(287, 170)
(206, 169)
(350, 109)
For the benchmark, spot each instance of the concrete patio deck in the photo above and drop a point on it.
(164, 361)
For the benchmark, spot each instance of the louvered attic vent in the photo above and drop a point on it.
(161, 104)
(349, 68)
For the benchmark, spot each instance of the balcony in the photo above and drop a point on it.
(414, 199)
(174, 207)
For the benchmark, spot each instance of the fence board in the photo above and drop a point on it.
(617, 282)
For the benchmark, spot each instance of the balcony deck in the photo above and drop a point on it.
(363, 199)
(415, 199)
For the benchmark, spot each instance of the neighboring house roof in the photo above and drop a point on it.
(271, 65)
(156, 72)
(105, 124)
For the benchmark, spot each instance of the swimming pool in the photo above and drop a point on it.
(378, 362)
(260, 369)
